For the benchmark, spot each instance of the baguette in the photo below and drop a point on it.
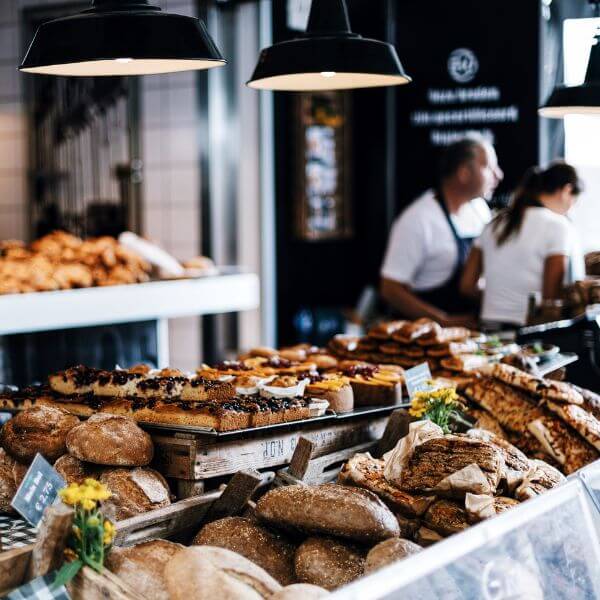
(329, 509)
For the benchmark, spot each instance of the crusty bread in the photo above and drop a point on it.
(11, 475)
(268, 550)
(207, 573)
(110, 440)
(142, 566)
(388, 552)
(300, 591)
(135, 491)
(40, 429)
(328, 563)
(73, 470)
(329, 509)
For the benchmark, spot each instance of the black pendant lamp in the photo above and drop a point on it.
(329, 56)
(581, 99)
(121, 37)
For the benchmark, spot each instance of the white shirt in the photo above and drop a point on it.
(515, 269)
(422, 251)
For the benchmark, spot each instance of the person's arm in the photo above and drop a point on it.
(469, 282)
(401, 297)
(555, 268)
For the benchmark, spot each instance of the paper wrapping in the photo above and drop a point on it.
(397, 459)
(468, 479)
(479, 507)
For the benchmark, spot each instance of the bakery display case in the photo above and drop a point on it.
(547, 548)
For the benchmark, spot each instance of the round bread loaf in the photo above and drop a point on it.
(11, 475)
(207, 573)
(300, 591)
(328, 563)
(114, 440)
(40, 429)
(329, 509)
(135, 491)
(142, 566)
(73, 470)
(388, 552)
(268, 550)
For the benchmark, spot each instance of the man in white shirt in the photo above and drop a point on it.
(429, 242)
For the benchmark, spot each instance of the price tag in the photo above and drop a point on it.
(40, 588)
(38, 490)
(417, 378)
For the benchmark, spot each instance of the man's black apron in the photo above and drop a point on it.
(447, 297)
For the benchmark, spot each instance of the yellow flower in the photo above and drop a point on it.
(88, 504)
(71, 494)
(93, 522)
(109, 532)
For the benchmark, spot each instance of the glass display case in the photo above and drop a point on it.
(547, 548)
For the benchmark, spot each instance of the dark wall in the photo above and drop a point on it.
(333, 274)
(490, 86)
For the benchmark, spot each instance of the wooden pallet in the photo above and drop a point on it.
(194, 459)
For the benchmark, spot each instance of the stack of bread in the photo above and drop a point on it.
(298, 543)
(409, 343)
(110, 448)
(547, 419)
(438, 485)
(60, 261)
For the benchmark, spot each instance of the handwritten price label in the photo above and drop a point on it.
(38, 490)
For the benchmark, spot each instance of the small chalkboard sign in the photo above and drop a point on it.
(38, 490)
(417, 379)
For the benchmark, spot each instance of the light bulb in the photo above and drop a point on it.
(123, 60)
(328, 73)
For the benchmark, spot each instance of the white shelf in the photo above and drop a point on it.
(44, 311)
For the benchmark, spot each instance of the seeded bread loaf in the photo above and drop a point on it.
(329, 509)
(268, 550)
(39, 429)
(328, 563)
(73, 470)
(388, 552)
(110, 440)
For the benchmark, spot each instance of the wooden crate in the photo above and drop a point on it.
(189, 457)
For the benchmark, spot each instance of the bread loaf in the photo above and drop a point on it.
(113, 440)
(266, 549)
(388, 552)
(328, 563)
(73, 470)
(300, 591)
(208, 573)
(142, 566)
(329, 509)
(11, 475)
(40, 429)
(135, 491)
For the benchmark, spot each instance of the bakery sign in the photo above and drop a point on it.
(38, 490)
(470, 79)
(418, 379)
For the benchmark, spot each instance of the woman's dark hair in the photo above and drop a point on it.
(535, 182)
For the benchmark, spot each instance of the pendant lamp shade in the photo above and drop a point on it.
(127, 37)
(329, 56)
(581, 99)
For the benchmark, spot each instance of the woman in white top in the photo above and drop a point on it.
(530, 247)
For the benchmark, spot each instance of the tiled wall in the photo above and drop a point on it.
(171, 188)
